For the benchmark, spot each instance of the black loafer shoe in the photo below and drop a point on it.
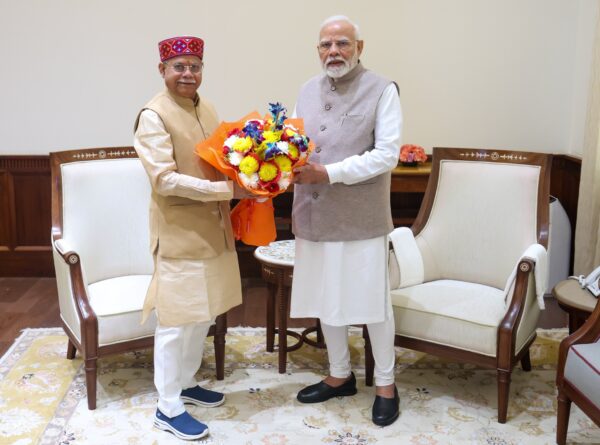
(386, 411)
(321, 391)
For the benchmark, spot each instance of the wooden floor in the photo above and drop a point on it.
(33, 303)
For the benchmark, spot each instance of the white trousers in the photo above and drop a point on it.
(177, 357)
(382, 343)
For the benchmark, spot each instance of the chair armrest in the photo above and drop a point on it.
(66, 250)
(589, 332)
(537, 255)
(406, 268)
(73, 297)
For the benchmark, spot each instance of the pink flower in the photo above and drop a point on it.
(412, 153)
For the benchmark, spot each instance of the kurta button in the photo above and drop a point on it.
(332, 87)
(318, 149)
(323, 128)
(328, 107)
(315, 195)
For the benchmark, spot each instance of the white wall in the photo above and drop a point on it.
(472, 73)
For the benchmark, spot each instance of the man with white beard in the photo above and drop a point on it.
(341, 214)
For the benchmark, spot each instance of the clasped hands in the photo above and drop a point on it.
(306, 174)
(311, 174)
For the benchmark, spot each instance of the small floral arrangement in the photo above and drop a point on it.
(412, 154)
(264, 151)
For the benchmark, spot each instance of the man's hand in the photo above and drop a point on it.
(311, 174)
(241, 193)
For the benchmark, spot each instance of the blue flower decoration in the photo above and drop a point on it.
(301, 142)
(251, 129)
(271, 151)
(278, 112)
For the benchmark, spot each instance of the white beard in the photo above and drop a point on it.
(339, 71)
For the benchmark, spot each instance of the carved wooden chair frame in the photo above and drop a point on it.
(507, 357)
(89, 347)
(589, 332)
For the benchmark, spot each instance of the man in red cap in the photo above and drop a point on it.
(196, 275)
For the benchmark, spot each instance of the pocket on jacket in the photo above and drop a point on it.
(352, 119)
(177, 201)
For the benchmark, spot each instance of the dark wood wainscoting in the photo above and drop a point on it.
(25, 211)
(564, 185)
(25, 216)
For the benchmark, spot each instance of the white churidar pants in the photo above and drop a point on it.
(382, 343)
(344, 283)
(177, 357)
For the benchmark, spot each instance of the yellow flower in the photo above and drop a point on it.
(267, 172)
(293, 151)
(243, 144)
(283, 162)
(271, 136)
(260, 150)
(248, 165)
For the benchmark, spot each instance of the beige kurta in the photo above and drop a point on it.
(196, 274)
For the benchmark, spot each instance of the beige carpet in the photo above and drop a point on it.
(42, 399)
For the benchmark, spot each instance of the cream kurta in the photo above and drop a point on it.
(185, 288)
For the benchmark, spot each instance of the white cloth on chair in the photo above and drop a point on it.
(537, 253)
(408, 256)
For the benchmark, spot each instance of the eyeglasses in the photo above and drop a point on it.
(180, 67)
(342, 45)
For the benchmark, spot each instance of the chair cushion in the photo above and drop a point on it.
(453, 313)
(106, 216)
(582, 370)
(118, 304)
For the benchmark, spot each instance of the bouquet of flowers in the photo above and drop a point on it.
(260, 154)
(412, 154)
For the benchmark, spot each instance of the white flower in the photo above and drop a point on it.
(283, 147)
(234, 158)
(285, 180)
(283, 183)
(249, 181)
(230, 141)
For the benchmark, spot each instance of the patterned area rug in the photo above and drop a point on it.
(42, 399)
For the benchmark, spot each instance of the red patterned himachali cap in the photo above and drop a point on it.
(180, 46)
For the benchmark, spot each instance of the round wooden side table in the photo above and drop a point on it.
(277, 269)
(575, 301)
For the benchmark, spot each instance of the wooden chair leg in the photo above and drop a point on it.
(91, 373)
(219, 342)
(562, 418)
(503, 391)
(526, 361)
(369, 359)
(71, 350)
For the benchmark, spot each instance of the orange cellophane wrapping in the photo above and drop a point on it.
(253, 221)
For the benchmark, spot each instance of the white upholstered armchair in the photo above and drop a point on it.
(578, 374)
(102, 259)
(467, 280)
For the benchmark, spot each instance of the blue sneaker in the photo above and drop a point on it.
(183, 426)
(202, 397)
